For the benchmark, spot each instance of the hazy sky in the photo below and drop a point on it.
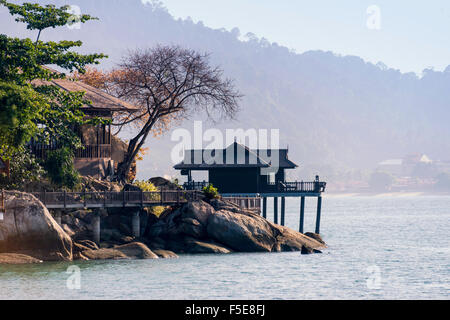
(412, 35)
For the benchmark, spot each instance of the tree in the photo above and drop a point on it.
(30, 106)
(39, 18)
(167, 83)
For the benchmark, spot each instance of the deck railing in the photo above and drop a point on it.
(192, 185)
(305, 187)
(109, 199)
(313, 187)
(96, 151)
(246, 202)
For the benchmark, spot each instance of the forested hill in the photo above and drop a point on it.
(336, 113)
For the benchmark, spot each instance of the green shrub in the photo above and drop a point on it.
(145, 186)
(210, 192)
(24, 169)
(60, 169)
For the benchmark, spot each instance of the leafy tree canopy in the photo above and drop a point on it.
(39, 18)
(31, 107)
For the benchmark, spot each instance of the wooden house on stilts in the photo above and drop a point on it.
(238, 171)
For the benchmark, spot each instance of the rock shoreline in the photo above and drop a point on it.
(29, 233)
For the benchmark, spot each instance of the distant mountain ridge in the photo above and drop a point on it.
(338, 114)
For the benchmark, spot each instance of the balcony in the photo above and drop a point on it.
(99, 151)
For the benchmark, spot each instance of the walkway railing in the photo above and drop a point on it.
(95, 151)
(195, 185)
(246, 202)
(313, 187)
(282, 187)
(98, 151)
(110, 199)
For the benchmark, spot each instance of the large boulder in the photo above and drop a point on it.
(198, 210)
(315, 236)
(290, 240)
(163, 184)
(91, 184)
(196, 247)
(15, 258)
(28, 228)
(192, 227)
(186, 244)
(165, 254)
(136, 250)
(104, 254)
(241, 232)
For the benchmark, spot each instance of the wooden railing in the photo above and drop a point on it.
(99, 151)
(299, 187)
(313, 187)
(246, 202)
(109, 199)
(195, 185)
(94, 152)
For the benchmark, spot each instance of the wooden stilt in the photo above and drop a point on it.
(283, 210)
(265, 207)
(302, 214)
(275, 210)
(319, 209)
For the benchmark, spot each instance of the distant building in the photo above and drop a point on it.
(410, 165)
(392, 166)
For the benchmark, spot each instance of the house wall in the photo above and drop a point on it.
(235, 180)
(97, 168)
(264, 185)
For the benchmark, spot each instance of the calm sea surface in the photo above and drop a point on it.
(379, 248)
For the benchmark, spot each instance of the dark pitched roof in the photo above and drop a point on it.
(100, 99)
(235, 156)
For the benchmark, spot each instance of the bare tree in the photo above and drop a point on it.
(169, 83)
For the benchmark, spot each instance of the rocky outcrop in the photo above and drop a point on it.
(191, 245)
(163, 184)
(290, 240)
(15, 258)
(165, 254)
(241, 232)
(28, 228)
(196, 246)
(199, 210)
(103, 254)
(91, 184)
(223, 227)
(135, 250)
(315, 236)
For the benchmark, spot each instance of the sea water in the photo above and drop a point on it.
(381, 247)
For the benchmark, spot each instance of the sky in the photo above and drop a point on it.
(407, 35)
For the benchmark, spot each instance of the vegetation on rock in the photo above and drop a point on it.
(210, 192)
